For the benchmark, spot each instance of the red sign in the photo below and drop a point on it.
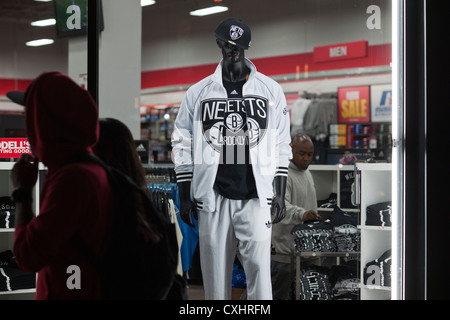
(349, 50)
(354, 104)
(14, 147)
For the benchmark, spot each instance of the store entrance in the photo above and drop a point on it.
(334, 64)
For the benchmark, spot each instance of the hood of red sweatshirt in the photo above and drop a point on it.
(61, 118)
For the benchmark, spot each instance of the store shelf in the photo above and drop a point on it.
(24, 294)
(329, 179)
(17, 292)
(369, 183)
(327, 254)
(373, 287)
(377, 228)
(375, 187)
(7, 234)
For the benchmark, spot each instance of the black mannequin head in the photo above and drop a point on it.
(230, 53)
(233, 37)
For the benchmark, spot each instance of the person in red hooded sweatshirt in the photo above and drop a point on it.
(61, 119)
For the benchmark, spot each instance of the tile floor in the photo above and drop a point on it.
(195, 292)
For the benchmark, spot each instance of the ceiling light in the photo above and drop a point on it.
(44, 23)
(43, 0)
(40, 42)
(207, 11)
(145, 3)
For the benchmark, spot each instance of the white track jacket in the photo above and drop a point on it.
(197, 138)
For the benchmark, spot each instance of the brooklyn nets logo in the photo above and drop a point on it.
(236, 32)
(222, 115)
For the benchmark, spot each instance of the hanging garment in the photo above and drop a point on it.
(173, 217)
(320, 114)
(165, 195)
(298, 111)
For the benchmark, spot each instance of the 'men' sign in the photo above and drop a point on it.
(349, 50)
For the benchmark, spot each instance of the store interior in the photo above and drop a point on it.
(178, 49)
(333, 60)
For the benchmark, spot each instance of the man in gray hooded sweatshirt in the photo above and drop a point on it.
(301, 205)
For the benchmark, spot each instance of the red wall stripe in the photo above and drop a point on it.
(13, 85)
(378, 55)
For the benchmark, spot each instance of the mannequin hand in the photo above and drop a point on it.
(25, 171)
(186, 207)
(311, 215)
(278, 209)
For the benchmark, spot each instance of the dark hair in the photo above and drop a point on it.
(117, 148)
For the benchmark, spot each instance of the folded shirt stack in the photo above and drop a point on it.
(347, 235)
(344, 282)
(330, 202)
(314, 236)
(379, 214)
(378, 272)
(7, 213)
(314, 285)
(11, 277)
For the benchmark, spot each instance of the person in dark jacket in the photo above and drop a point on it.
(61, 120)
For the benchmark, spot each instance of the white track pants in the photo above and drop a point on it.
(242, 223)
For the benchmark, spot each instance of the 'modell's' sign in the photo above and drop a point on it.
(14, 147)
(354, 104)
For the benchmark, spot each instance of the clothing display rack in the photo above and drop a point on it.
(315, 95)
(311, 114)
(164, 193)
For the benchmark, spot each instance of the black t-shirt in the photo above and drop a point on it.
(234, 178)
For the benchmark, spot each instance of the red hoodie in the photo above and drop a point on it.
(61, 119)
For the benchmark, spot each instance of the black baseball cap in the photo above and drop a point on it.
(234, 31)
(19, 97)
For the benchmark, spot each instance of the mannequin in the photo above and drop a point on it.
(234, 69)
(231, 154)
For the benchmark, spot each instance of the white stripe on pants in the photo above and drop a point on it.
(242, 222)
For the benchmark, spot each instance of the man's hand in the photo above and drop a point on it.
(25, 172)
(311, 215)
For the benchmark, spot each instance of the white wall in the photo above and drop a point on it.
(120, 63)
(171, 38)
